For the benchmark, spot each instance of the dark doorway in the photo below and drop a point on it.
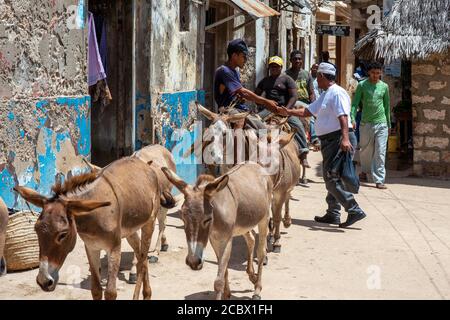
(111, 125)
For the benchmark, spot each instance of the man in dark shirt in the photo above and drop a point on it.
(282, 89)
(228, 87)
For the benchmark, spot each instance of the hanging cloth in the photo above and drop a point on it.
(96, 70)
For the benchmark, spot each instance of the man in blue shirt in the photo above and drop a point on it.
(228, 86)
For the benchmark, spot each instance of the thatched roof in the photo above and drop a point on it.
(414, 29)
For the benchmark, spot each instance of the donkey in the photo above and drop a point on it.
(220, 209)
(4, 216)
(158, 156)
(102, 207)
(285, 177)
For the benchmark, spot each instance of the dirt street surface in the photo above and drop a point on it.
(400, 251)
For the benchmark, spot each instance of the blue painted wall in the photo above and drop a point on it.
(55, 144)
(178, 110)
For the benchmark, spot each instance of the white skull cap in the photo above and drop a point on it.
(327, 68)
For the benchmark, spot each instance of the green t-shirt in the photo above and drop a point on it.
(375, 102)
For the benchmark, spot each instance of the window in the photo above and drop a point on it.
(184, 15)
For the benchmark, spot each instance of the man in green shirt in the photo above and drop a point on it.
(375, 124)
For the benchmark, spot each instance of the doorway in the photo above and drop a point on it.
(111, 124)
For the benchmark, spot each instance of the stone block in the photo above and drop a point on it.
(422, 99)
(418, 142)
(426, 69)
(445, 155)
(436, 142)
(445, 128)
(422, 128)
(445, 70)
(445, 100)
(427, 156)
(431, 114)
(437, 85)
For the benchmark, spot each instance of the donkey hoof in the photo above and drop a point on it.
(153, 259)
(164, 247)
(276, 249)
(287, 222)
(269, 246)
(132, 278)
(265, 261)
(256, 297)
(304, 181)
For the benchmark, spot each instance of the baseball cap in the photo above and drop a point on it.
(277, 60)
(327, 68)
(237, 45)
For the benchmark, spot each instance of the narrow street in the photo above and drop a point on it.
(400, 251)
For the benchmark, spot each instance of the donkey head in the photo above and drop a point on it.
(197, 212)
(56, 231)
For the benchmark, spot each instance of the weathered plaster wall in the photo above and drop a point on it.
(173, 79)
(44, 107)
(431, 116)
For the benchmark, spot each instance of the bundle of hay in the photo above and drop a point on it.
(22, 247)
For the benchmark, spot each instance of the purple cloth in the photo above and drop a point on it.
(95, 66)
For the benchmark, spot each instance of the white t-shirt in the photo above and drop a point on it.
(331, 104)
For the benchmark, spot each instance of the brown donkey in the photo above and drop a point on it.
(102, 207)
(3, 224)
(220, 209)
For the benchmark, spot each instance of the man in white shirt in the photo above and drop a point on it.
(334, 128)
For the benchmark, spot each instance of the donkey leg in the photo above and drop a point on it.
(162, 214)
(261, 253)
(94, 266)
(2, 257)
(303, 179)
(164, 243)
(287, 221)
(277, 206)
(250, 240)
(114, 257)
(142, 266)
(134, 242)
(222, 248)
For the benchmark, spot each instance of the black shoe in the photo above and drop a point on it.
(352, 218)
(328, 218)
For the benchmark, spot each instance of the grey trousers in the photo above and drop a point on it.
(296, 123)
(337, 196)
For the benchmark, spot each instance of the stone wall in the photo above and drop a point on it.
(431, 116)
(44, 105)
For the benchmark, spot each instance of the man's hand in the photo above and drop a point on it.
(346, 146)
(271, 105)
(282, 111)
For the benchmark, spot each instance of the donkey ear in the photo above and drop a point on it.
(285, 139)
(207, 113)
(236, 117)
(31, 196)
(150, 162)
(82, 207)
(215, 186)
(174, 179)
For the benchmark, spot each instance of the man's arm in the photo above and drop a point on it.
(249, 95)
(346, 146)
(301, 112)
(356, 101)
(387, 106)
(292, 98)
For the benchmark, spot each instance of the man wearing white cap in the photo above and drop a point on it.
(334, 128)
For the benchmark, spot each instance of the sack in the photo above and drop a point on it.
(342, 167)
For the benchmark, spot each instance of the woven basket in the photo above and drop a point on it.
(22, 247)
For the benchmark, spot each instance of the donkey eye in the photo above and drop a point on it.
(61, 237)
(206, 221)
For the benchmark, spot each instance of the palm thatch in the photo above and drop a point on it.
(414, 29)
